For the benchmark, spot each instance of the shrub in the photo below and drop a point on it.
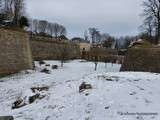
(23, 22)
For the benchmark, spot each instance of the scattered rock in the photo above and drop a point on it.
(62, 107)
(41, 62)
(137, 80)
(140, 88)
(6, 118)
(84, 86)
(115, 78)
(45, 70)
(112, 78)
(34, 89)
(86, 94)
(107, 107)
(34, 97)
(83, 61)
(109, 79)
(27, 71)
(54, 66)
(133, 93)
(18, 104)
(48, 65)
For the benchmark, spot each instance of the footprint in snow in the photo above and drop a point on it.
(147, 101)
(150, 93)
(87, 111)
(47, 118)
(137, 98)
(140, 118)
(140, 88)
(148, 80)
(137, 80)
(133, 106)
(133, 93)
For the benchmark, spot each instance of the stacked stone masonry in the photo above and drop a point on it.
(15, 53)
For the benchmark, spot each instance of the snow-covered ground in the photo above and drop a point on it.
(113, 93)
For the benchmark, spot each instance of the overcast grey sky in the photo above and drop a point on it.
(116, 17)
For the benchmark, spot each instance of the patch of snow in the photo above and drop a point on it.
(113, 93)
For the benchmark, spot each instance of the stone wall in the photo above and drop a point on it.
(102, 54)
(15, 54)
(142, 59)
(49, 49)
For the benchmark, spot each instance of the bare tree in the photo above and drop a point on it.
(98, 37)
(95, 52)
(64, 53)
(85, 36)
(105, 36)
(55, 29)
(14, 9)
(107, 40)
(18, 9)
(152, 9)
(7, 6)
(148, 28)
(50, 29)
(6, 10)
(42, 26)
(95, 35)
(62, 31)
(58, 30)
(35, 24)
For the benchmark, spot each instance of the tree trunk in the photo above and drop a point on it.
(158, 28)
(61, 63)
(158, 35)
(105, 64)
(96, 66)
